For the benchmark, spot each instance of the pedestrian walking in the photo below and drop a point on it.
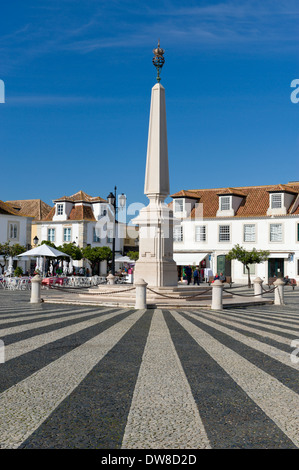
(196, 276)
(188, 274)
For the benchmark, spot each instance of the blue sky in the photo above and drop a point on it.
(78, 77)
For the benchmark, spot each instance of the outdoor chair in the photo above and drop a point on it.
(23, 284)
(12, 283)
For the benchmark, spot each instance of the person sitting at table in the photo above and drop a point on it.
(287, 280)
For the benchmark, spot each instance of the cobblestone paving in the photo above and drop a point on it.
(100, 377)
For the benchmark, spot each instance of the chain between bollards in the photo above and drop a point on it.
(71, 290)
(180, 297)
(141, 287)
(218, 290)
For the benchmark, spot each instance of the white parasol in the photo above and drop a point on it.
(41, 252)
(44, 250)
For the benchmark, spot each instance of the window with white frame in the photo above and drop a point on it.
(249, 233)
(13, 231)
(51, 234)
(200, 233)
(109, 236)
(59, 209)
(178, 205)
(178, 234)
(67, 232)
(275, 232)
(225, 203)
(224, 233)
(96, 237)
(276, 201)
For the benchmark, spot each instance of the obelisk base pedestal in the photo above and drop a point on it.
(157, 273)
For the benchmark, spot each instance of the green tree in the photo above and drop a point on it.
(47, 242)
(72, 250)
(247, 257)
(133, 255)
(7, 251)
(96, 254)
(18, 271)
(4, 252)
(106, 253)
(17, 249)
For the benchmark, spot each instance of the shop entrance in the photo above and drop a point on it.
(275, 267)
(224, 265)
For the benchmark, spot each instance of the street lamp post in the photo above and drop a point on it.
(35, 241)
(112, 200)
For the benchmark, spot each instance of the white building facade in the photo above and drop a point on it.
(83, 220)
(15, 229)
(210, 222)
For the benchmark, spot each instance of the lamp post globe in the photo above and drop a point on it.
(122, 200)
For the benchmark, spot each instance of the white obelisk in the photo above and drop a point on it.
(156, 265)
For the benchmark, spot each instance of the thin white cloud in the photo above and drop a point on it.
(56, 100)
(221, 23)
(237, 9)
(122, 24)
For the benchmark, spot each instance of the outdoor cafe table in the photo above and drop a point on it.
(52, 280)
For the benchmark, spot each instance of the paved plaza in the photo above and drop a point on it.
(112, 378)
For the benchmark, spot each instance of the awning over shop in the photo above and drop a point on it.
(124, 259)
(280, 255)
(184, 259)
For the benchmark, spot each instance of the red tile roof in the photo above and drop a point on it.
(80, 196)
(78, 212)
(81, 213)
(82, 206)
(231, 191)
(281, 188)
(193, 194)
(255, 201)
(31, 207)
(6, 209)
(50, 214)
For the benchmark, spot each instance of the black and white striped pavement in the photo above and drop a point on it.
(111, 378)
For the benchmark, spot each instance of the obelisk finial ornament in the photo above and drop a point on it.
(158, 60)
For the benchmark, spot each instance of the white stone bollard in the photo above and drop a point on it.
(140, 300)
(35, 289)
(258, 287)
(278, 293)
(111, 279)
(217, 290)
